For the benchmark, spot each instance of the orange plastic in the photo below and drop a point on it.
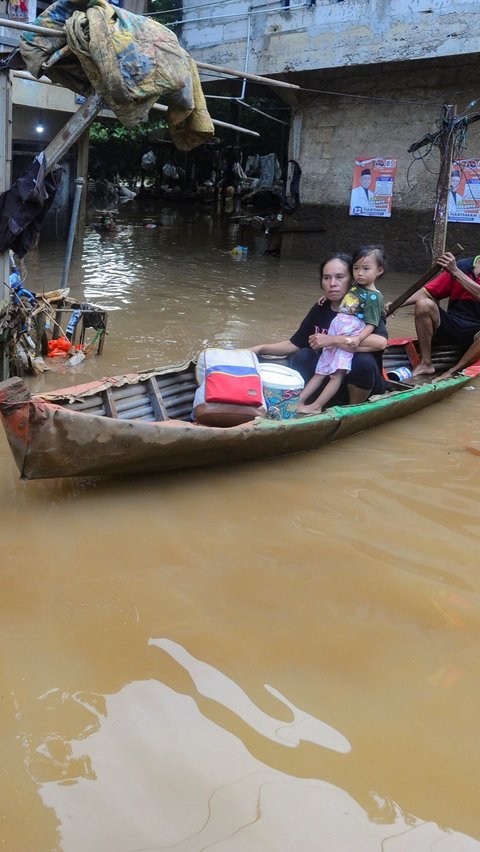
(59, 347)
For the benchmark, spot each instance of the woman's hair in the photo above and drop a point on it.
(338, 255)
(377, 251)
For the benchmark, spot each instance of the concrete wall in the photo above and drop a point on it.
(329, 132)
(329, 34)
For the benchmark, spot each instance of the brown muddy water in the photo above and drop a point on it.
(279, 657)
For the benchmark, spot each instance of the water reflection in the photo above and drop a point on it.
(214, 685)
(199, 788)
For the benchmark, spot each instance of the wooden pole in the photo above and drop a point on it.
(75, 126)
(434, 270)
(445, 144)
(5, 179)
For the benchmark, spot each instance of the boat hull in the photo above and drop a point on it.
(49, 440)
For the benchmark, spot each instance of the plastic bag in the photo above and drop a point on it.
(170, 171)
(59, 347)
(149, 161)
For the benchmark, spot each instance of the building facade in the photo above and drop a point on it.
(374, 75)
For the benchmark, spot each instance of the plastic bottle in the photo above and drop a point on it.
(73, 322)
(76, 359)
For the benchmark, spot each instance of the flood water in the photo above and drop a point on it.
(278, 657)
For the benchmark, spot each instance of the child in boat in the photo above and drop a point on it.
(358, 315)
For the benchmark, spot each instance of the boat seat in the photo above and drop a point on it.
(157, 398)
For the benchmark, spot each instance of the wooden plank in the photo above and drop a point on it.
(5, 179)
(101, 340)
(445, 145)
(158, 405)
(110, 407)
(75, 126)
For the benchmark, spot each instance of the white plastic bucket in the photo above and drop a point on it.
(281, 388)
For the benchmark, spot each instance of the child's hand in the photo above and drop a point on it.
(321, 301)
(352, 343)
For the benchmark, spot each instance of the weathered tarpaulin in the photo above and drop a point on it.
(129, 60)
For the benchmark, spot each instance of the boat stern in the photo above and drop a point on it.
(15, 403)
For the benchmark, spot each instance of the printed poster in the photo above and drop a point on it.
(372, 190)
(464, 191)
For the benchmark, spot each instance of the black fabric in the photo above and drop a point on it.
(466, 266)
(461, 322)
(293, 190)
(24, 206)
(92, 317)
(456, 327)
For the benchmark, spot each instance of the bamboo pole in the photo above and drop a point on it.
(25, 75)
(255, 78)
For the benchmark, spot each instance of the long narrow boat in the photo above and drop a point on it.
(140, 422)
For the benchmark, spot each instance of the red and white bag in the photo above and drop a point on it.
(230, 387)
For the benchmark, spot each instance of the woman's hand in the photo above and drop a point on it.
(319, 341)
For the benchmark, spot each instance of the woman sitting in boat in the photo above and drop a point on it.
(302, 349)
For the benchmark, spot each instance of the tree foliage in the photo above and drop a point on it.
(167, 11)
(114, 149)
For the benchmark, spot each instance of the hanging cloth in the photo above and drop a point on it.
(24, 206)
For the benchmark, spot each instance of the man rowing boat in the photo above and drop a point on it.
(460, 323)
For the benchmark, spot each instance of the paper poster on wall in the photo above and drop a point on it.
(464, 191)
(372, 190)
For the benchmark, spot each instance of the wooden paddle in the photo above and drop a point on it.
(434, 270)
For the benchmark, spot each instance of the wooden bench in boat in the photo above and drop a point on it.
(158, 397)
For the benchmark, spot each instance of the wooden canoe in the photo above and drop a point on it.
(139, 422)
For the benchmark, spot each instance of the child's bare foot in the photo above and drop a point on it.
(423, 369)
(305, 410)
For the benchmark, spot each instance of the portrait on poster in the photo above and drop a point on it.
(372, 188)
(463, 203)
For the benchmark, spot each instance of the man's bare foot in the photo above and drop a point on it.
(423, 369)
(305, 410)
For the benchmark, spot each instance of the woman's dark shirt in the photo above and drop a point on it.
(318, 319)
